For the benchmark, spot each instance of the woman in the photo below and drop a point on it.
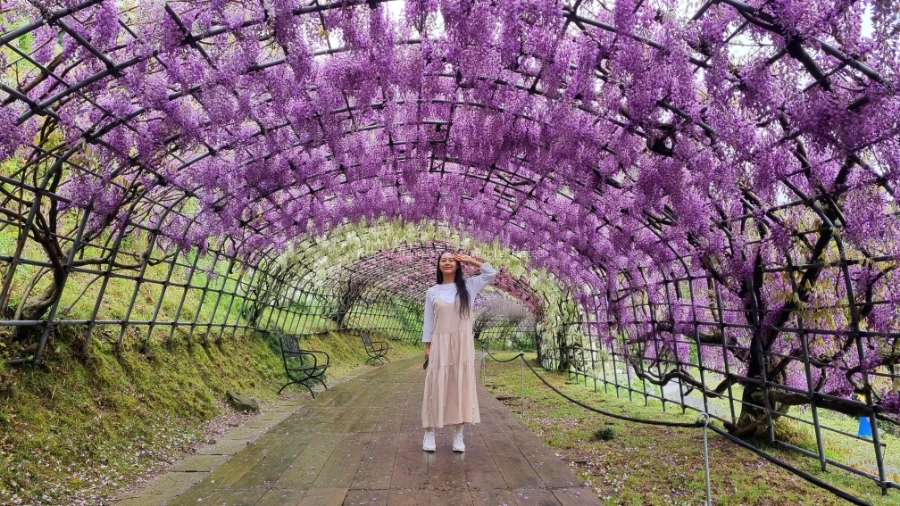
(450, 396)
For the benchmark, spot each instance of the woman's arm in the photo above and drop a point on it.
(476, 283)
(428, 322)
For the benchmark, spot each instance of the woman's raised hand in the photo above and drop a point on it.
(466, 259)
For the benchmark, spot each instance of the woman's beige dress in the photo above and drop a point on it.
(450, 395)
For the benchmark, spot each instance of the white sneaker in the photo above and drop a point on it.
(458, 445)
(428, 443)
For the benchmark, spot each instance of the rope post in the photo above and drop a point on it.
(703, 420)
(483, 362)
(522, 366)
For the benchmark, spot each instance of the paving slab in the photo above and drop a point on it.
(360, 442)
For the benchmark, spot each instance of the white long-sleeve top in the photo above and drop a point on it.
(447, 293)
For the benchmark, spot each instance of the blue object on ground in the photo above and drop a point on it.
(865, 428)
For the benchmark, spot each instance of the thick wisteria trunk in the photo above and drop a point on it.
(258, 296)
(346, 300)
(35, 308)
(562, 344)
(751, 421)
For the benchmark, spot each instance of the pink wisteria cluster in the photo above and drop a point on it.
(723, 177)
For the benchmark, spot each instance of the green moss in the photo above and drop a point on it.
(75, 424)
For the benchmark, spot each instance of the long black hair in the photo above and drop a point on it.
(460, 283)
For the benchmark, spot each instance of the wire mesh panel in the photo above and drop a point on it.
(711, 183)
(792, 354)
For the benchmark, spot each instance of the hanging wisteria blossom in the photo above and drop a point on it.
(711, 181)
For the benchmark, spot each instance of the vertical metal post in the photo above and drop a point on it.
(697, 340)
(231, 298)
(215, 259)
(522, 368)
(276, 294)
(804, 342)
(854, 320)
(652, 317)
(138, 282)
(483, 362)
(283, 306)
(245, 299)
(212, 316)
(187, 286)
(615, 366)
(114, 252)
(682, 402)
(591, 340)
(720, 313)
(298, 315)
(625, 352)
(162, 297)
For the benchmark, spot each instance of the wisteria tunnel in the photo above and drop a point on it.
(682, 196)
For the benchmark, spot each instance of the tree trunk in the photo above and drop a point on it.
(564, 351)
(751, 422)
(35, 308)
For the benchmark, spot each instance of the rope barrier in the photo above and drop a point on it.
(488, 352)
(607, 413)
(784, 465)
(703, 420)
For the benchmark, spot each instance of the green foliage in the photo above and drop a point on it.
(76, 424)
(888, 428)
(605, 434)
(659, 465)
(122, 411)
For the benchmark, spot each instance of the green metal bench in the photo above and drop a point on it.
(302, 366)
(377, 350)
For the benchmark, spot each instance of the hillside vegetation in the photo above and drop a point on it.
(74, 430)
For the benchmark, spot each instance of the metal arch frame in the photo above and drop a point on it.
(303, 289)
(570, 16)
(631, 289)
(406, 248)
(493, 322)
(573, 15)
(387, 286)
(300, 269)
(748, 12)
(398, 283)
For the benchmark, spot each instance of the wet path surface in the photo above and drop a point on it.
(361, 443)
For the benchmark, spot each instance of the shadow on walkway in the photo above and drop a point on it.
(361, 443)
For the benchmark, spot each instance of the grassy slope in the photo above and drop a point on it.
(90, 428)
(73, 430)
(655, 465)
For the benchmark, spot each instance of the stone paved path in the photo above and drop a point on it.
(361, 443)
